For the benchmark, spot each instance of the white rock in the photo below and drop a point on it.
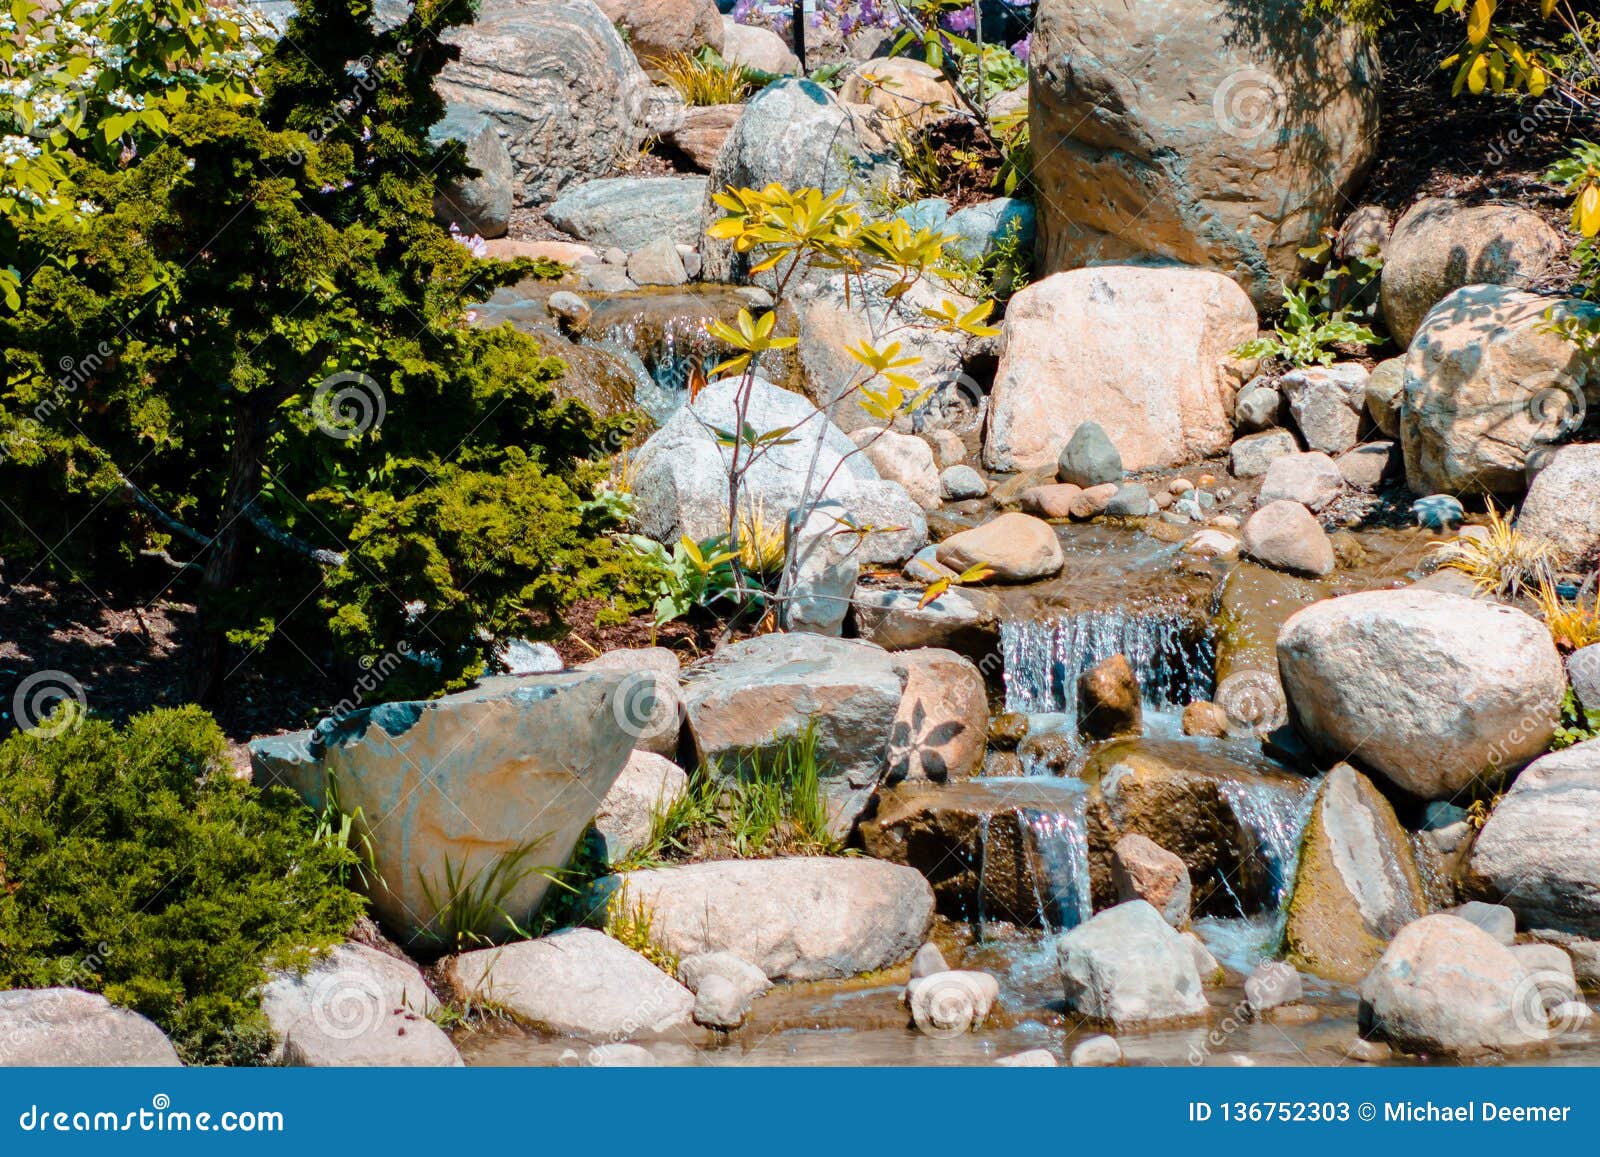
(1128, 966)
(1432, 691)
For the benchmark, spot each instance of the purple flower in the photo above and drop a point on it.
(962, 19)
(1022, 47)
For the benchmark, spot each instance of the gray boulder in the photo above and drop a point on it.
(1563, 504)
(1254, 454)
(631, 212)
(826, 568)
(356, 1006)
(746, 980)
(560, 85)
(1184, 132)
(1127, 966)
(1272, 985)
(507, 772)
(1386, 392)
(1539, 853)
(799, 135)
(804, 918)
(1583, 671)
(895, 620)
(959, 483)
(757, 693)
(835, 314)
(1366, 466)
(577, 982)
(70, 1028)
(1445, 986)
(480, 204)
(681, 474)
(1089, 458)
(1259, 406)
(1430, 690)
(1327, 403)
(1313, 480)
(1495, 919)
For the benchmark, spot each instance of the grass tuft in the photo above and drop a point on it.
(1506, 563)
(704, 79)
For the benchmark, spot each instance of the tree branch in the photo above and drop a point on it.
(283, 538)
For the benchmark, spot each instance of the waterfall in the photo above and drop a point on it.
(1174, 660)
(663, 353)
(1276, 815)
(1059, 843)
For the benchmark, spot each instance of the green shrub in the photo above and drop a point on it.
(247, 356)
(134, 864)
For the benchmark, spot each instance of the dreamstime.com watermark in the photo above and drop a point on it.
(159, 1117)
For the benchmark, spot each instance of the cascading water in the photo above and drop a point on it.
(1059, 843)
(663, 354)
(1276, 816)
(1174, 662)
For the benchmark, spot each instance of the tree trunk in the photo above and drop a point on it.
(226, 557)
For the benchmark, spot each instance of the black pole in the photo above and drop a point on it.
(800, 33)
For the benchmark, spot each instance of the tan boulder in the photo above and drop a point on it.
(908, 90)
(1440, 246)
(1077, 350)
(943, 723)
(1017, 547)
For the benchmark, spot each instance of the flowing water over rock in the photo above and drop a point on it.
(663, 337)
(1171, 656)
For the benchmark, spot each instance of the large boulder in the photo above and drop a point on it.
(476, 205)
(1540, 850)
(70, 1028)
(1129, 967)
(1487, 386)
(799, 135)
(1077, 350)
(1196, 132)
(832, 317)
(1311, 479)
(1225, 815)
(1446, 986)
(497, 779)
(356, 1006)
(680, 481)
(657, 29)
(1357, 885)
(1018, 548)
(558, 82)
(628, 213)
(1432, 691)
(755, 694)
(979, 845)
(1563, 504)
(942, 726)
(1440, 246)
(804, 918)
(577, 982)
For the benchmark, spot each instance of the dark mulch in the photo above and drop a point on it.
(1474, 149)
(691, 638)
